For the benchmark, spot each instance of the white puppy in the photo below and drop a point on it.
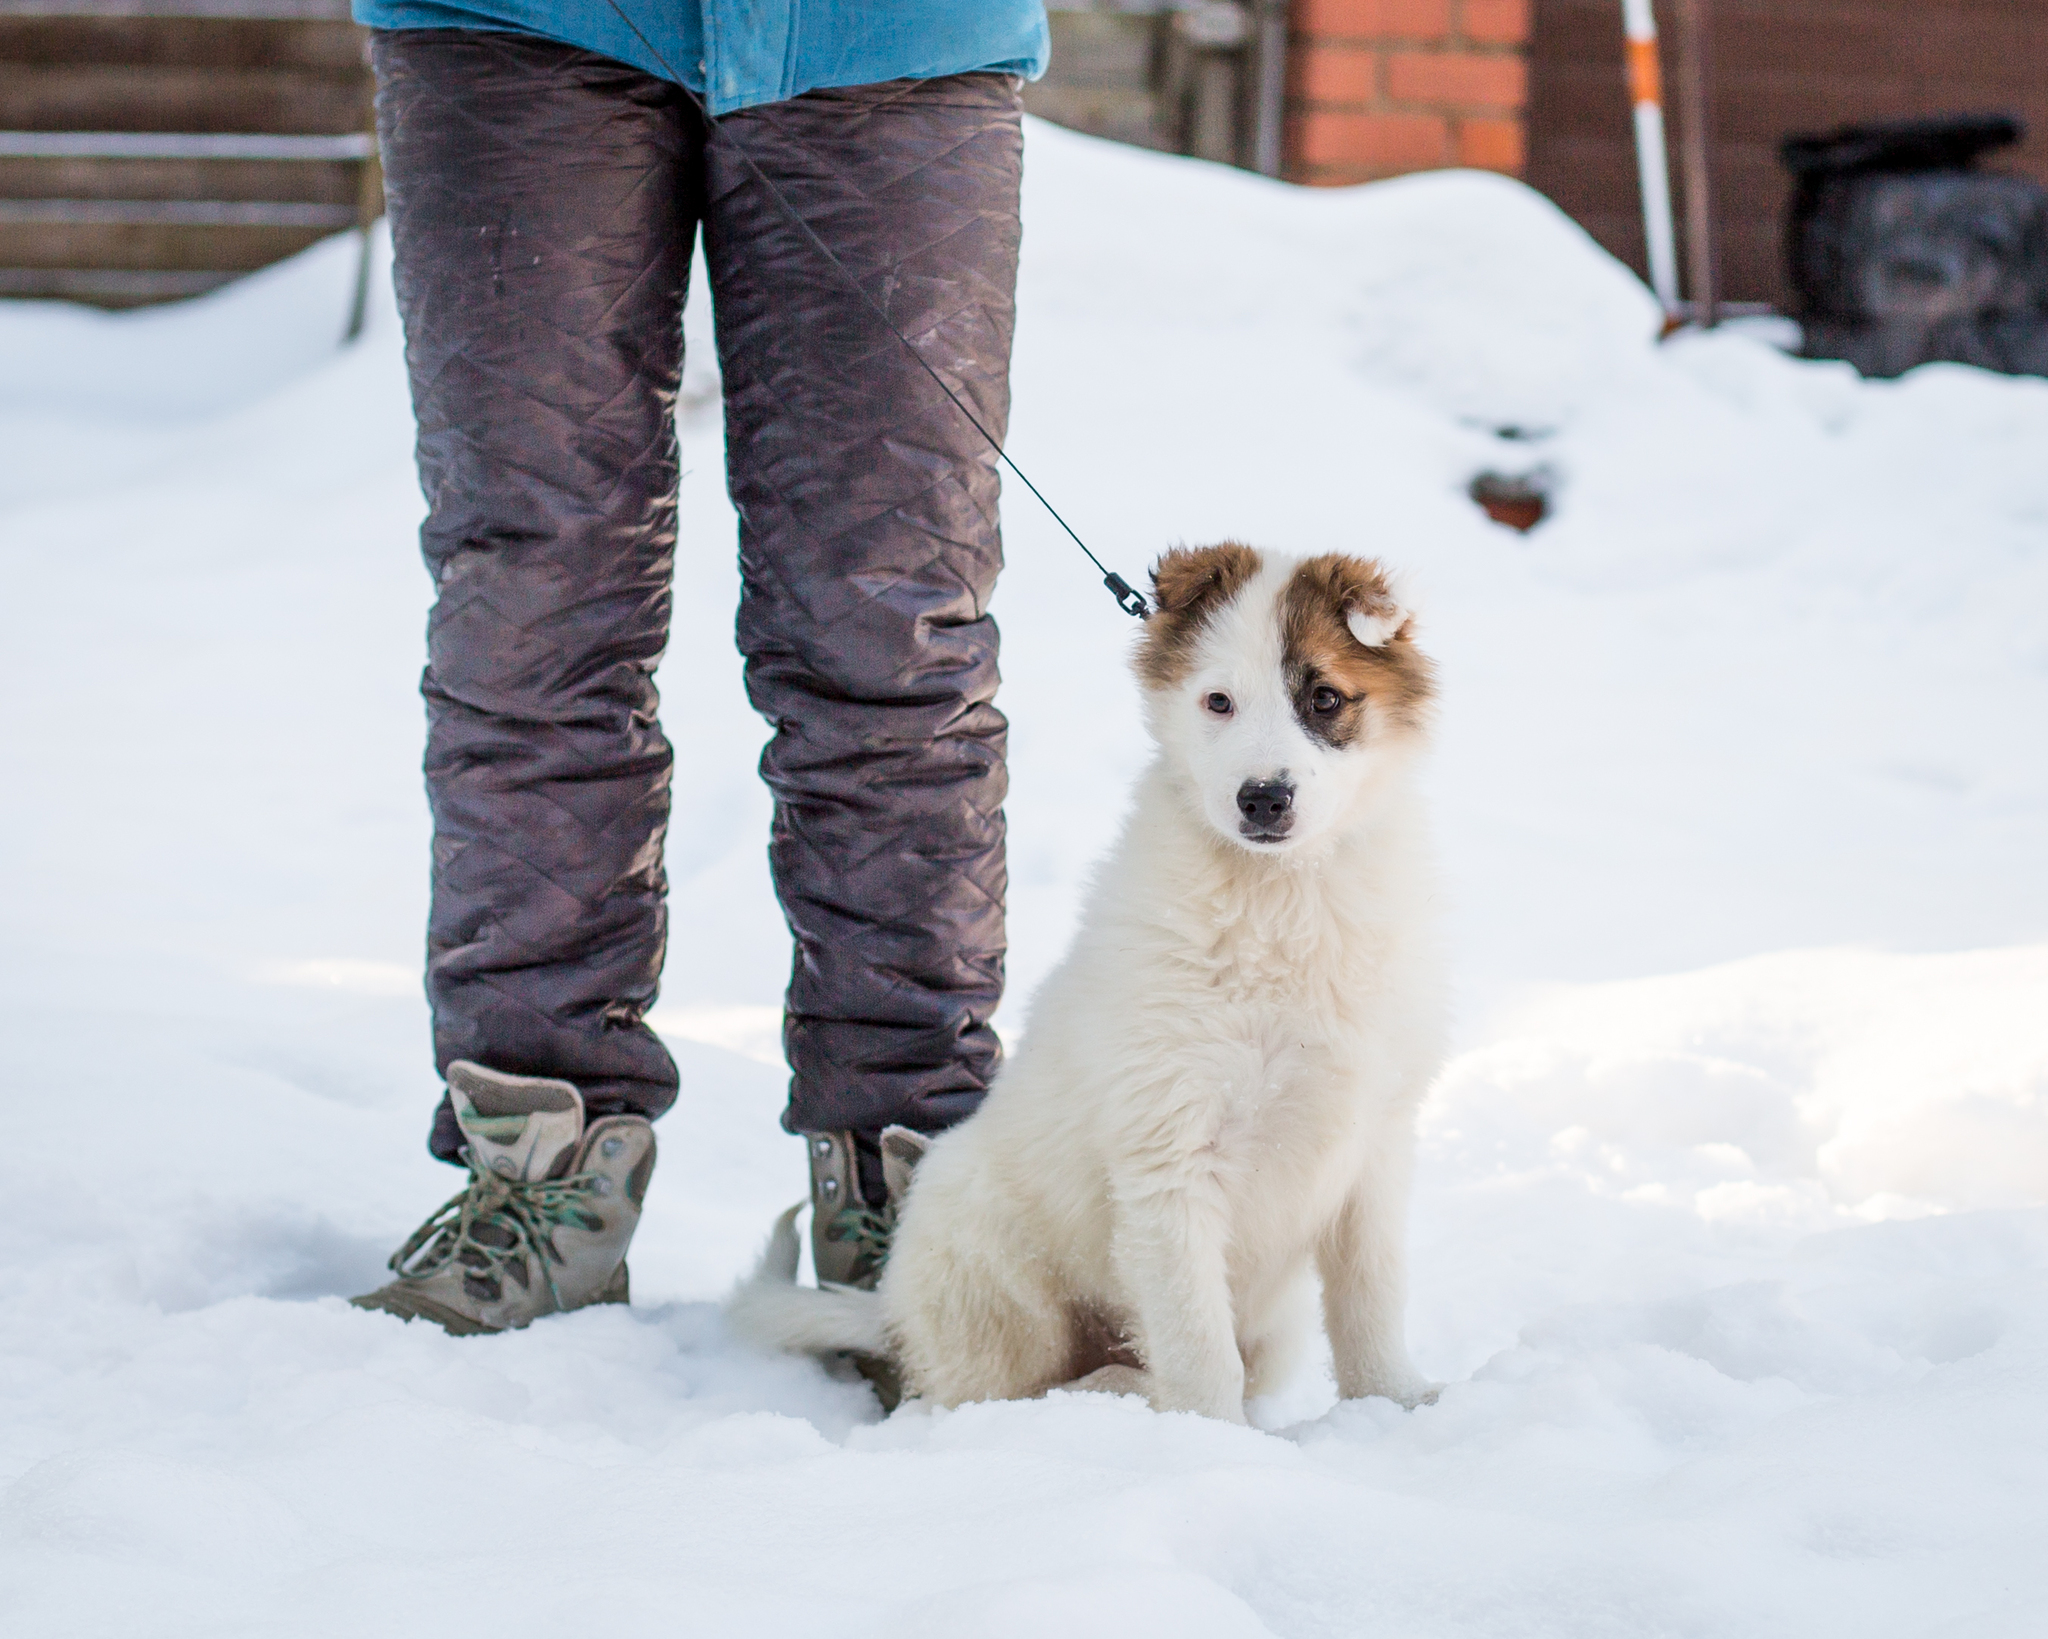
(1215, 1099)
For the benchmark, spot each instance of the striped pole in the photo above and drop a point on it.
(1646, 92)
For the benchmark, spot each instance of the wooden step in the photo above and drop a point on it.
(260, 10)
(154, 149)
(141, 244)
(136, 98)
(183, 145)
(228, 43)
(328, 184)
(110, 287)
(318, 170)
(175, 213)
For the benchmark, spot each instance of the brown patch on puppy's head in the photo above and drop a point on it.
(1350, 651)
(1189, 584)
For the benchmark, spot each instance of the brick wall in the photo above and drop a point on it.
(1381, 87)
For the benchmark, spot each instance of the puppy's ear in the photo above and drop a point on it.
(1372, 613)
(1189, 579)
(1189, 584)
(1376, 628)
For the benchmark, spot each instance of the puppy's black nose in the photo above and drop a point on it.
(1266, 805)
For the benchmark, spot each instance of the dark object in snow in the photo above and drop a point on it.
(1518, 500)
(1951, 143)
(1902, 254)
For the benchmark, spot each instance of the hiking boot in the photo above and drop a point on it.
(545, 1219)
(849, 1235)
(850, 1238)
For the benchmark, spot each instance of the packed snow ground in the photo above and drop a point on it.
(1730, 1239)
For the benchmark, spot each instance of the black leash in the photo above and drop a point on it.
(1128, 598)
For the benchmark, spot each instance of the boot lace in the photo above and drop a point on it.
(870, 1230)
(495, 1223)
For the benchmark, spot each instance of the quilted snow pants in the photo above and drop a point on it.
(543, 204)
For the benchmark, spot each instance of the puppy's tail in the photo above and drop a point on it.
(769, 1310)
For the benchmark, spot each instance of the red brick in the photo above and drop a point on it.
(1464, 78)
(1347, 176)
(1491, 145)
(1494, 22)
(1381, 143)
(1373, 19)
(1335, 74)
(1335, 176)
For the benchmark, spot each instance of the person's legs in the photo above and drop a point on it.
(869, 548)
(543, 202)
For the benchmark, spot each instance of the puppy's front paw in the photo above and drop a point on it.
(1111, 1380)
(1407, 1391)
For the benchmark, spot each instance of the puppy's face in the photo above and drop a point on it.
(1284, 691)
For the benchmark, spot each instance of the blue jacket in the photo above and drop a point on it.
(735, 53)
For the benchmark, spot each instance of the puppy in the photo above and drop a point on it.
(1214, 1103)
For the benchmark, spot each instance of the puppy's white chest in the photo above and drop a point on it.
(1282, 1093)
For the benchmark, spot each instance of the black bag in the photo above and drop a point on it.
(1903, 254)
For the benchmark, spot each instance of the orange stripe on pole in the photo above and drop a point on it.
(1645, 74)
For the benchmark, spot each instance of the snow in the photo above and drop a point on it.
(1731, 1238)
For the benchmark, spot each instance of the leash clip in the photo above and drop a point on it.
(1128, 598)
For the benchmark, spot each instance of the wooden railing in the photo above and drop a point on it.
(152, 149)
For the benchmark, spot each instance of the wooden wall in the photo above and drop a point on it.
(1779, 66)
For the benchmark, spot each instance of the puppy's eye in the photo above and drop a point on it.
(1325, 700)
(1220, 704)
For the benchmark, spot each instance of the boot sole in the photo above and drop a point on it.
(409, 1306)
